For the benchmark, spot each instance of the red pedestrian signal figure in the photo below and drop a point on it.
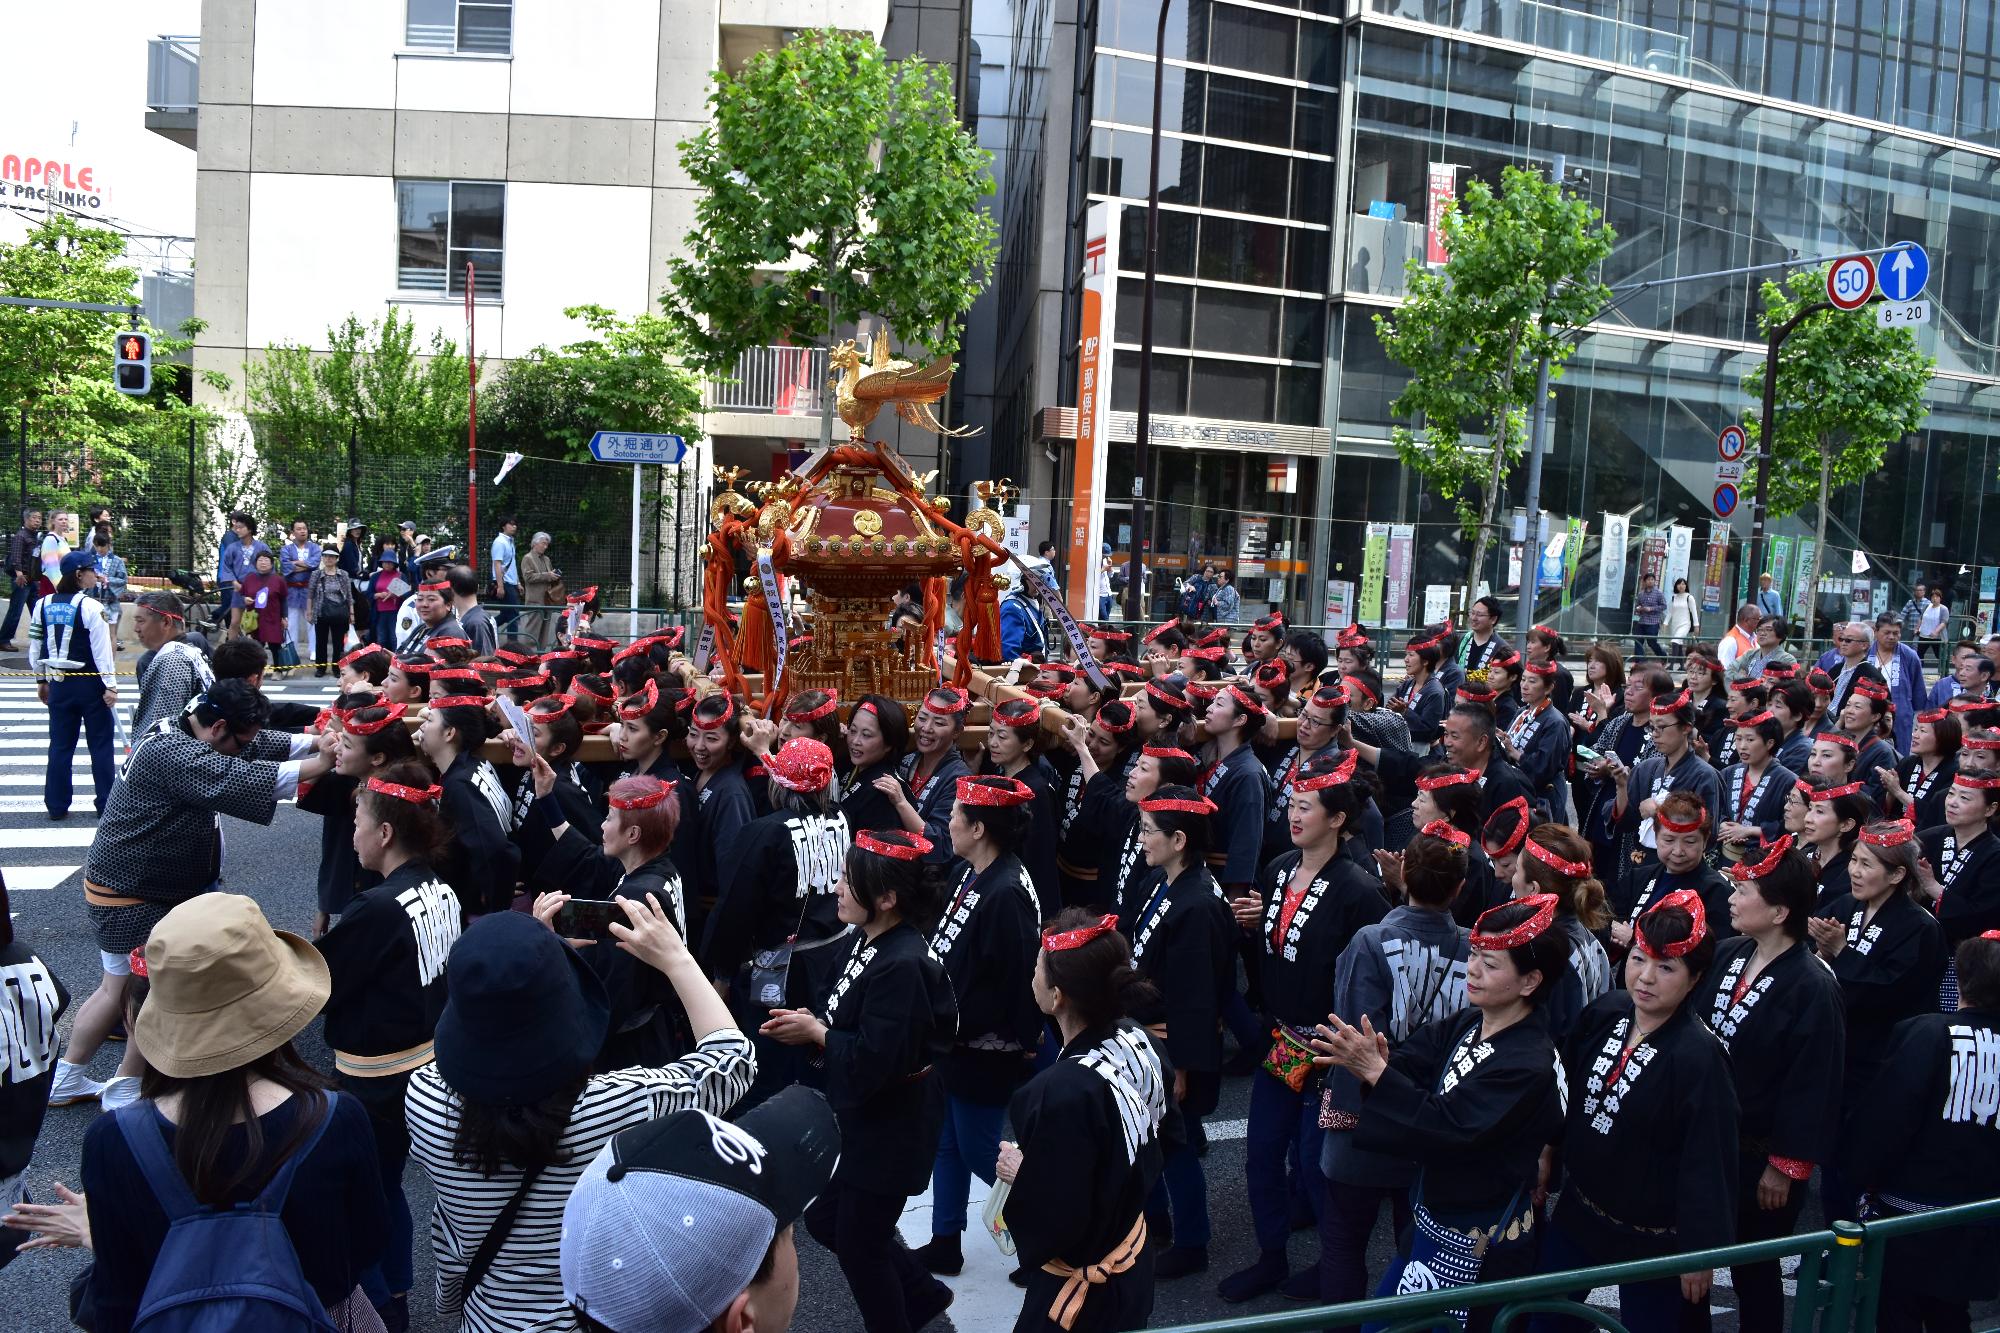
(133, 356)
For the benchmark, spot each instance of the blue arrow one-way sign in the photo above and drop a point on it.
(617, 446)
(1903, 273)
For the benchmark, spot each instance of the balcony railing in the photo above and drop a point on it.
(780, 381)
(1593, 36)
(173, 73)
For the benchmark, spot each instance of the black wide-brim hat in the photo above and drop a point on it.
(525, 1015)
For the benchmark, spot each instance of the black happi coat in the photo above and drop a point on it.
(889, 1016)
(1297, 967)
(1926, 808)
(1038, 848)
(648, 1023)
(1924, 1135)
(1970, 874)
(1184, 942)
(987, 939)
(1787, 1043)
(386, 956)
(1833, 881)
(865, 807)
(1654, 1148)
(1482, 889)
(1473, 1114)
(483, 863)
(934, 801)
(1126, 876)
(1240, 789)
(1092, 815)
(1888, 971)
(1652, 883)
(1544, 744)
(1588, 976)
(1092, 1130)
(341, 874)
(1796, 751)
(1764, 803)
(1424, 711)
(575, 806)
(780, 879)
(722, 810)
(1284, 770)
(1501, 783)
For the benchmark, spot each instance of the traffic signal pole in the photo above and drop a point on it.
(1765, 454)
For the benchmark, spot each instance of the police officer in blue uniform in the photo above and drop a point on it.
(69, 651)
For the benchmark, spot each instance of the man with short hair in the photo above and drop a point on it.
(434, 616)
(239, 562)
(1481, 642)
(1649, 607)
(1768, 600)
(684, 1224)
(172, 670)
(506, 576)
(247, 660)
(298, 559)
(1971, 673)
(1850, 647)
(1742, 636)
(1469, 735)
(23, 564)
(1913, 610)
(476, 619)
(1903, 671)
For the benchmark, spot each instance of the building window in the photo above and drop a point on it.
(441, 226)
(478, 27)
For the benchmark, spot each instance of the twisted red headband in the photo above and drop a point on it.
(1746, 870)
(414, 795)
(1446, 831)
(1516, 936)
(1557, 862)
(1061, 941)
(1688, 901)
(894, 844)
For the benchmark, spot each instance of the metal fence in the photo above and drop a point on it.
(170, 497)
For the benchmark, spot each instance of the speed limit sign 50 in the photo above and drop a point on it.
(1850, 282)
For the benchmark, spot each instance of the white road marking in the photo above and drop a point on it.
(33, 879)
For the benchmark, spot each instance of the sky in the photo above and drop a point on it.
(76, 91)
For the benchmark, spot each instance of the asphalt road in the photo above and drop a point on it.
(275, 865)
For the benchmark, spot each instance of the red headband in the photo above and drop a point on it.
(994, 791)
(1200, 805)
(1820, 682)
(1245, 700)
(1124, 669)
(1270, 675)
(1556, 862)
(414, 795)
(1540, 668)
(1456, 778)
(1109, 635)
(1329, 696)
(1981, 742)
(1167, 752)
(643, 801)
(1830, 793)
(565, 655)
(1969, 703)
(1747, 684)
(1205, 654)
(1062, 671)
(1756, 719)
(478, 701)
(1350, 636)
(1779, 671)
(894, 844)
(1869, 689)
(1513, 938)
(550, 707)
(1116, 729)
(1840, 738)
(1435, 639)
(419, 668)
(443, 585)
(1688, 901)
(361, 652)
(1162, 694)
(1893, 834)
(577, 686)
(509, 655)
(960, 700)
(1019, 713)
(592, 643)
(1976, 782)
(636, 705)
(1342, 772)
(1060, 941)
(1672, 705)
(579, 598)
(457, 673)
(1774, 853)
(1204, 692)
(1475, 694)
(1153, 635)
(700, 723)
(391, 714)
(1932, 716)
(447, 641)
(1674, 826)
(1447, 831)
(825, 709)
(631, 651)
(1512, 842)
(801, 764)
(1356, 683)
(529, 679)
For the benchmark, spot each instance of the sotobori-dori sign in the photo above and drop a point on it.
(1850, 282)
(614, 446)
(49, 181)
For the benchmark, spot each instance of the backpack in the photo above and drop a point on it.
(1193, 603)
(222, 1269)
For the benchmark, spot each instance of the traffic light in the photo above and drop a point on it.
(133, 355)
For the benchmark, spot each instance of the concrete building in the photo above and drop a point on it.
(356, 158)
(1304, 145)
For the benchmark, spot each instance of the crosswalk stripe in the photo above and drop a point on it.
(21, 805)
(57, 836)
(36, 879)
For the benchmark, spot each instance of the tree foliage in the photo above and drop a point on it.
(835, 183)
(1517, 286)
(56, 366)
(376, 395)
(627, 376)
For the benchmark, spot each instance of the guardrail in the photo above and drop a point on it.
(783, 381)
(173, 73)
(1839, 1278)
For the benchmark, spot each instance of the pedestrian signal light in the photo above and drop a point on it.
(132, 354)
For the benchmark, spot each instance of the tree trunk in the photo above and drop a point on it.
(826, 390)
(1819, 535)
(1489, 508)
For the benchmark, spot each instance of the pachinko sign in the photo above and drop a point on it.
(50, 181)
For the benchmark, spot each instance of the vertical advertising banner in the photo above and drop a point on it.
(1549, 562)
(1680, 550)
(1339, 603)
(1805, 573)
(1860, 600)
(1653, 557)
(1611, 564)
(1712, 568)
(1093, 408)
(1437, 603)
(1781, 565)
(1396, 581)
(1374, 569)
(1572, 557)
(1443, 188)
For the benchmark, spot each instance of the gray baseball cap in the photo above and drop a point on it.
(675, 1216)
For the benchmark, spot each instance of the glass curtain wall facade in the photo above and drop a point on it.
(1676, 118)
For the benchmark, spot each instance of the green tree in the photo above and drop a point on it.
(102, 446)
(374, 397)
(1517, 287)
(835, 184)
(627, 376)
(1847, 389)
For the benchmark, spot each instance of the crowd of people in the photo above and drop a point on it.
(1566, 973)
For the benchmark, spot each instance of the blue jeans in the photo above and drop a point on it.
(1284, 1130)
(1183, 1186)
(18, 598)
(510, 595)
(968, 1146)
(73, 704)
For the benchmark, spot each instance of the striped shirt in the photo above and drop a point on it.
(522, 1291)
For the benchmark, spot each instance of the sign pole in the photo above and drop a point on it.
(471, 431)
(1766, 419)
(633, 629)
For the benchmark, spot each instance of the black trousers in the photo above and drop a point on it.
(1760, 1290)
(329, 637)
(860, 1228)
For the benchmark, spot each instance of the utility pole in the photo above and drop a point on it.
(1765, 455)
(1143, 436)
(1538, 427)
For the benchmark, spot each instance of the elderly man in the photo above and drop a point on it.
(1971, 673)
(1903, 671)
(541, 584)
(298, 560)
(1742, 636)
